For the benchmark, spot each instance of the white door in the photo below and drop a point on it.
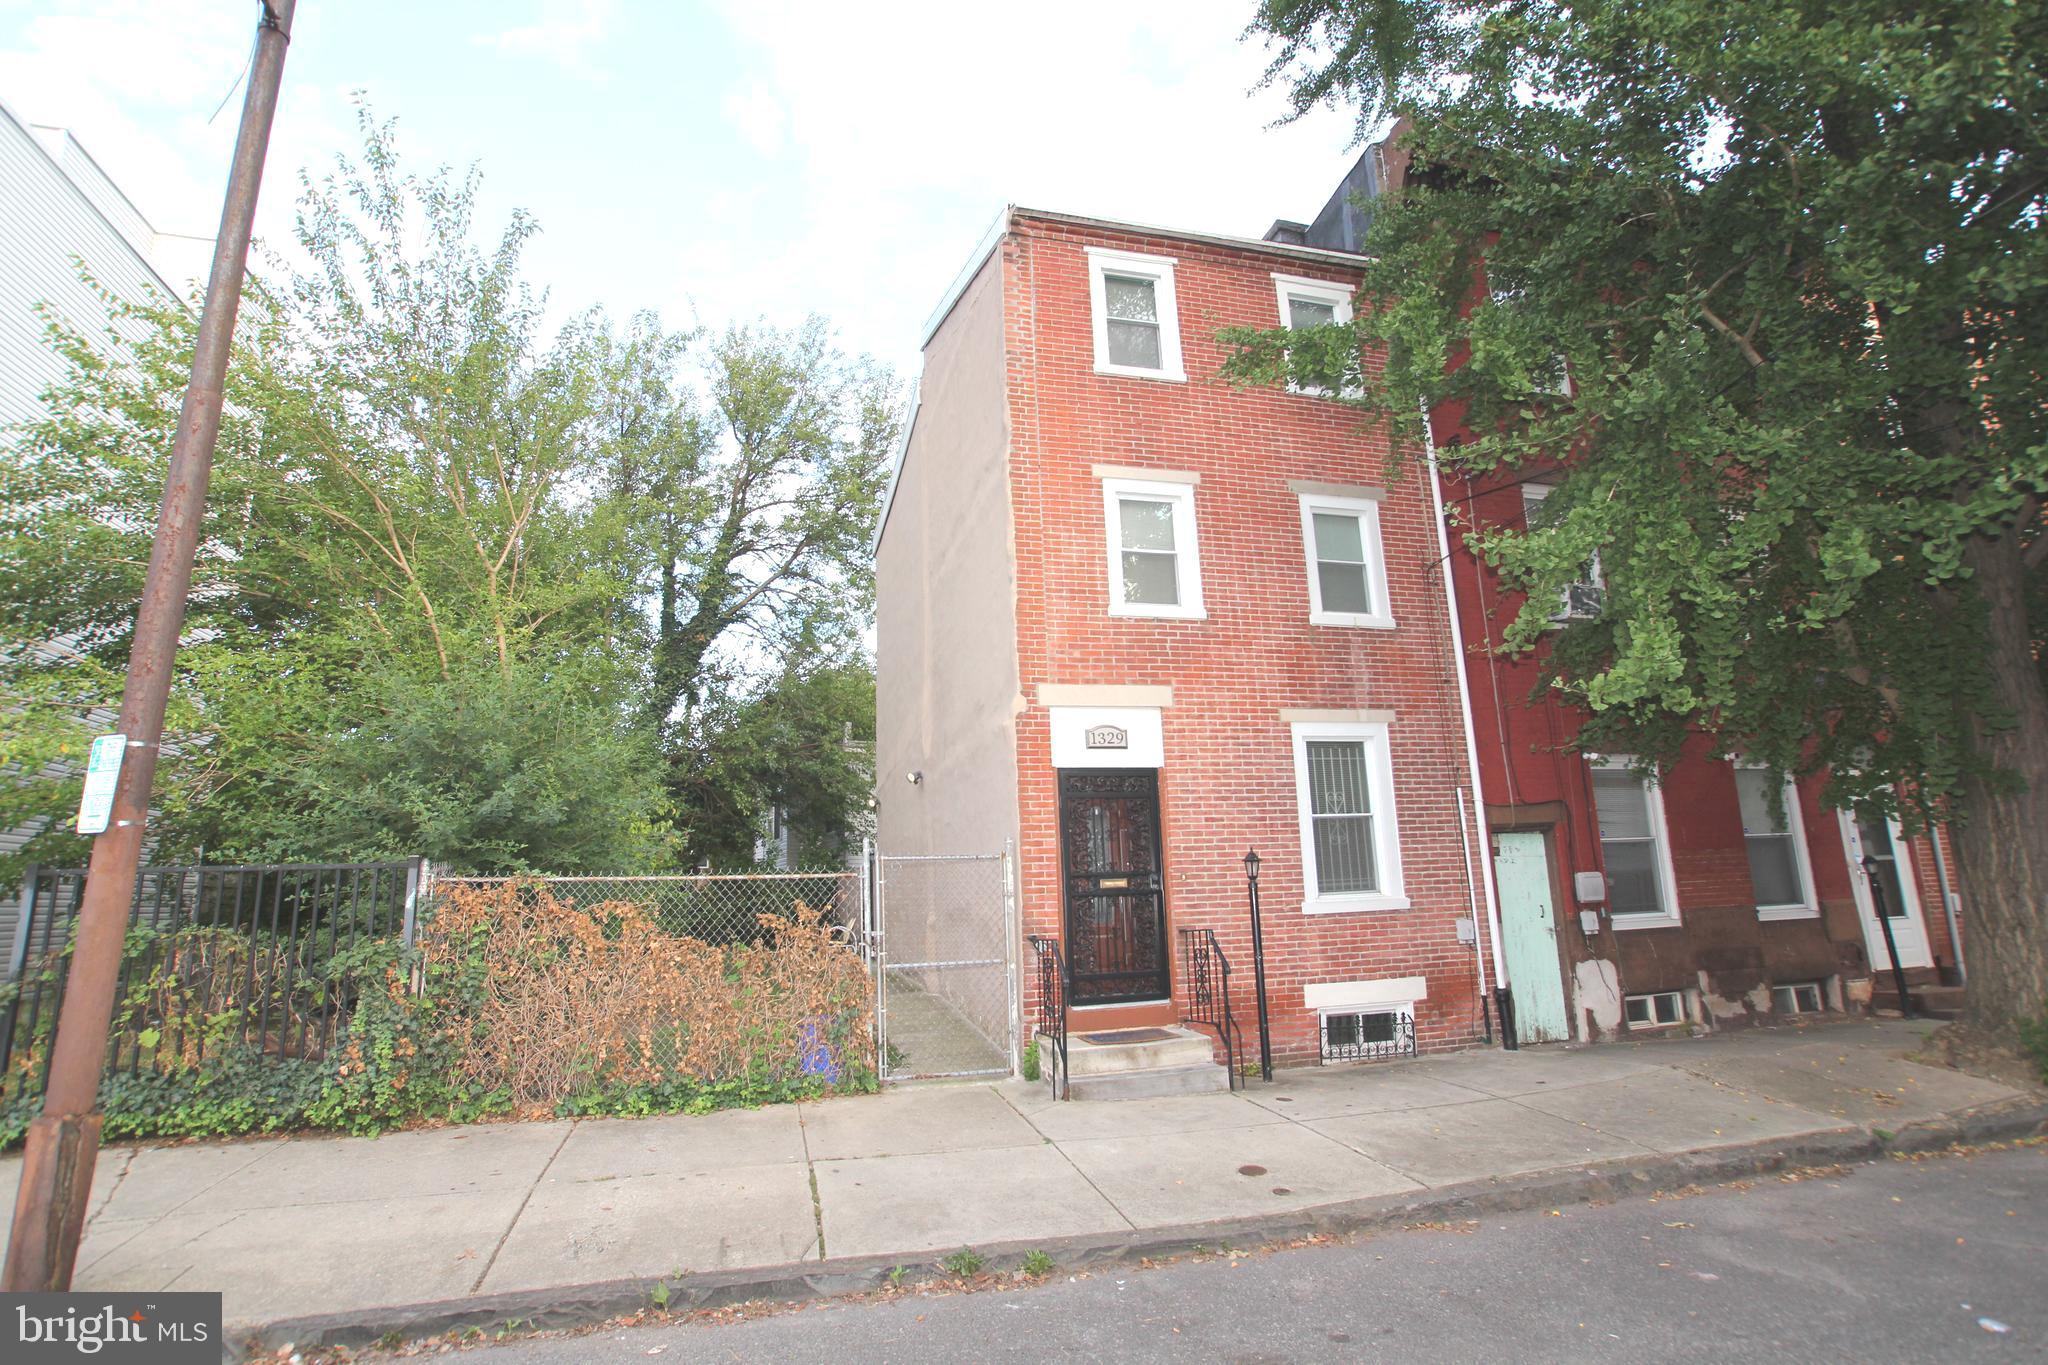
(1892, 869)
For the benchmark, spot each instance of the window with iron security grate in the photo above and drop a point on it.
(1368, 1035)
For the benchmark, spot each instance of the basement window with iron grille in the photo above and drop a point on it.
(1800, 997)
(1661, 1010)
(1368, 1035)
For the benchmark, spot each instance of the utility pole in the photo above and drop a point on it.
(56, 1174)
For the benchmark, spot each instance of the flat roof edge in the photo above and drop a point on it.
(1303, 253)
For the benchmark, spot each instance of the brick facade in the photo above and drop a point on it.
(1228, 779)
(1722, 954)
(996, 612)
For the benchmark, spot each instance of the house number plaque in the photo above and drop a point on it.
(1108, 737)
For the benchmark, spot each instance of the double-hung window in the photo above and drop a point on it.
(1155, 566)
(1313, 303)
(1776, 841)
(1137, 320)
(1635, 846)
(1347, 574)
(1350, 844)
(1583, 596)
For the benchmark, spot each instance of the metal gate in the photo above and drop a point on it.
(942, 932)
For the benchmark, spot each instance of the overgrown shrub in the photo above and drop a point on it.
(575, 1003)
(513, 1000)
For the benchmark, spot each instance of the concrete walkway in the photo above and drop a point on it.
(312, 1226)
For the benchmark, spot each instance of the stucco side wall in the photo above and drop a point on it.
(945, 602)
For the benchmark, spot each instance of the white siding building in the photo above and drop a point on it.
(57, 209)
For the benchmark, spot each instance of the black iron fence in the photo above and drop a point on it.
(217, 957)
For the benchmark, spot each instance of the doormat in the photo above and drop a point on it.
(1130, 1035)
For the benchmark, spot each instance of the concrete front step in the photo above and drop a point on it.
(1150, 1085)
(1136, 1050)
(1137, 1064)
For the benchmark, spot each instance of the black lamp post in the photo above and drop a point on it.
(1251, 878)
(1884, 921)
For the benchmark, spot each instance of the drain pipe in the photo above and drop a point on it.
(1471, 899)
(1948, 902)
(1492, 903)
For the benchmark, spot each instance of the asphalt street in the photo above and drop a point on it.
(1940, 1259)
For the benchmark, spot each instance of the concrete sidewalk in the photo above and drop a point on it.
(290, 1228)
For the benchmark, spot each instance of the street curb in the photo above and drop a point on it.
(584, 1305)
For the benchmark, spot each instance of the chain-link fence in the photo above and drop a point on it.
(659, 982)
(945, 967)
(715, 907)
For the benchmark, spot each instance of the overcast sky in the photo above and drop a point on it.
(717, 161)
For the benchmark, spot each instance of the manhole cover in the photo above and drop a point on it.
(1251, 1170)
(1129, 1035)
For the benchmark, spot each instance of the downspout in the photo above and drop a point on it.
(1948, 903)
(1471, 891)
(1443, 546)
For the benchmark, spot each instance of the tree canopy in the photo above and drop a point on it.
(464, 590)
(1793, 257)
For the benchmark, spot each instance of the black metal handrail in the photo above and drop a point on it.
(1053, 986)
(1205, 972)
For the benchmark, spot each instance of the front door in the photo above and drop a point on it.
(1528, 935)
(1889, 879)
(1115, 893)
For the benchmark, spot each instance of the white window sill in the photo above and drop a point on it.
(1642, 921)
(1344, 905)
(1350, 620)
(1159, 613)
(1770, 913)
(1133, 372)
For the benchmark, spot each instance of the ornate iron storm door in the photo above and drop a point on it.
(1111, 863)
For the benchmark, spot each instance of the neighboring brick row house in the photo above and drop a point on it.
(1135, 620)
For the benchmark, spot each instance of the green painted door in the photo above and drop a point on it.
(1528, 931)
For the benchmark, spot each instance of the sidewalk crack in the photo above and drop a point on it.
(127, 1165)
(520, 1212)
(811, 1170)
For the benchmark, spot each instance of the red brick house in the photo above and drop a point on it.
(1137, 620)
(1628, 904)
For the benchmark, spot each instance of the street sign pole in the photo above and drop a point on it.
(56, 1174)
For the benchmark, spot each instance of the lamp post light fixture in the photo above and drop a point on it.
(1251, 878)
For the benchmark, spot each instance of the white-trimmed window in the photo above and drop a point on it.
(1137, 320)
(1661, 1009)
(1776, 841)
(1635, 847)
(1350, 844)
(1311, 303)
(1800, 997)
(1347, 568)
(1155, 567)
(1583, 596)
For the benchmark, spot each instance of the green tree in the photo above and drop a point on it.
(805, 747)
(1794, 256)
(742, 508)
(425, 514)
